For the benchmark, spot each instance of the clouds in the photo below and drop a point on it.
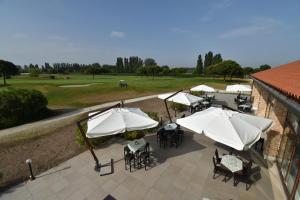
(20, 36)
(214, 8)
(117, 34)
(254, 27)
(56, 38)
(179, 30)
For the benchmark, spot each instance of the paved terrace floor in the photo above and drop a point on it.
(182, 173)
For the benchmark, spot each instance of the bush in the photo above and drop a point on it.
(94, 141)
(18, 106)
(179, 107)
(34, 72)
(197, 93)
(132, 135)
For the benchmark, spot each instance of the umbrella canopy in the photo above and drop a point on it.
(237, 130)
(118, 120)
(182, 98)
(238, 88)
(203, 88)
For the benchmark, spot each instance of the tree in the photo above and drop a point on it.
(226, 68)
(264, 67)
(126, 65)
(150, 62)
(199, 67)
(217, 59)
(119, 65)
(208, 60)
(248, 70)
(7, 69)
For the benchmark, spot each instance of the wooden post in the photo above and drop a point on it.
(87, 142)
(165, 100)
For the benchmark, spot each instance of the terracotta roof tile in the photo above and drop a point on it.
(284, 78)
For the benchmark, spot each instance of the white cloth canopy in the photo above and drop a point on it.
(203, 88)
(118, 120)
(237, 130)
(182, 98)
(238, 88)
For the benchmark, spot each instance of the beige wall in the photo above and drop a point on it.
(262, 101)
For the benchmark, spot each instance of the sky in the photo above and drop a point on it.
(173, 32)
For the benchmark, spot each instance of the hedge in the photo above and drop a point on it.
(19, 106)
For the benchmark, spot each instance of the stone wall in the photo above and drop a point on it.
(267, 106)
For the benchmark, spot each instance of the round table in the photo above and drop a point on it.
(170, 127)
(232, 163)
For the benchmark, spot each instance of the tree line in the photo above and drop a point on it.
(212, 65)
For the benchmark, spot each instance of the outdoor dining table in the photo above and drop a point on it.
(244, 106)
(211, 96)
(136, 145)
(170, 126)
(232, 163)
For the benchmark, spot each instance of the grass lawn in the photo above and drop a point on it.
(105, 88)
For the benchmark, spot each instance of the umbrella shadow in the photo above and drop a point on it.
(161, 154)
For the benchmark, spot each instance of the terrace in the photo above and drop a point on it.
(185, 172)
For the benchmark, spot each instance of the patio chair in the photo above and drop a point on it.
(218, 169)
(175, 139)
(218, 159)
(158, 135)
(163, 139)
(181, 134)
(244, 175)
(129, 158)
(260, 142)
(144, 157)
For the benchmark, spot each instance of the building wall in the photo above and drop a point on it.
(267, 106)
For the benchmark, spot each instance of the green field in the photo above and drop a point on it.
(105, 87)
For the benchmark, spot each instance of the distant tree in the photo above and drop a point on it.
(199, 67)
(226, 68)
(165, 70)
(126, 65)
(93, 69)
(208, 60)
(119, 65)
(34, 72)
(150, 62)
(248, 70)
(217, 59)
(7, 69)
(264, 67)
(153, 70)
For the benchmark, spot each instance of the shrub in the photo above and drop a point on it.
(179, 107)
(197, 93)
(153, 115)
(34, 72)
(20, 105)
(94, 141)
(132, 135)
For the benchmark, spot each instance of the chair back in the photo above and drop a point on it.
(147, 147)
(214, 161)
(217, 154)
(126, 150)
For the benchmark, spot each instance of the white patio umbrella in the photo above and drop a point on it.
(203, 88)
(237, 130)
(118, 120)
(182, 98)
(238, 88)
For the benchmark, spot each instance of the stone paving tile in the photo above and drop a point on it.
(182, 173)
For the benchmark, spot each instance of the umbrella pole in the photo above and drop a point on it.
(89, 146)
(168, 110)
(87, 142)
(165, 100)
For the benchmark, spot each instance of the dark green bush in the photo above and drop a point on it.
(196, 93)
(18, 106)
(179, 107)
(132, 135)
